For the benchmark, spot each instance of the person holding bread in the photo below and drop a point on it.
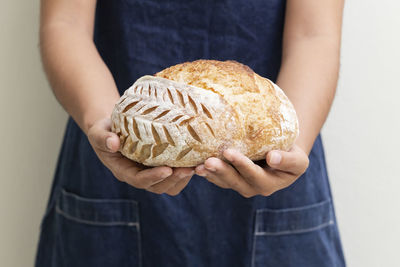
(203, 161)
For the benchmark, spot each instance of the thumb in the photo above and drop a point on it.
(294, 161)
(101, 137)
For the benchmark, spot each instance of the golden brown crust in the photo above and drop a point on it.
(219, 105)
(254, 98)
(233, 76)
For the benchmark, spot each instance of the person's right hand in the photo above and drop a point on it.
(158, 180)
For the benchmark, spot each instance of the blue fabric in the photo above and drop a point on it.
(94, 220)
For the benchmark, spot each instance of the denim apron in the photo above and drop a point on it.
(92, 219)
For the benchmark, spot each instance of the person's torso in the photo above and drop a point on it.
(139, 37)
(204, 225)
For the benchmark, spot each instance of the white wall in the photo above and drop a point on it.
(32, 124)
(360, 136)
(362, 133)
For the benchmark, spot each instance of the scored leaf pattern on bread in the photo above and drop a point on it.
(189, 112)
(157, 118)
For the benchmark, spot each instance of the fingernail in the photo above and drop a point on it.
(165, 175)
(109, 143)
(200, 170)
(275, 158)
(228, 154)
(211, 169)
(185, 175)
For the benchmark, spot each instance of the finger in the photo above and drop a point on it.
(171, 181)
(134, 173)
(246, 167)
(223, 174)
(148, 177)
(263, 181)
(120, 166)
(202, 171)
(175, 190)
(294, 161)
(101, 137)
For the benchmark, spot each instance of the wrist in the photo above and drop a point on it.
(305, 143)
(101, 107)
(93, 115)
(305, 147)
(91, 118)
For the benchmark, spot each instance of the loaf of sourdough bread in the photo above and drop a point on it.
(192, 111)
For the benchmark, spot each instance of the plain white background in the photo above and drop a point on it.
(360, 136)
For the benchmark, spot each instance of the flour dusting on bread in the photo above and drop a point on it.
(194, 110)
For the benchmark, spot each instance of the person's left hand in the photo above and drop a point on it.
(248, 178)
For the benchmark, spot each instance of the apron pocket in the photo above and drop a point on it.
(299, 236)
(96, 232)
